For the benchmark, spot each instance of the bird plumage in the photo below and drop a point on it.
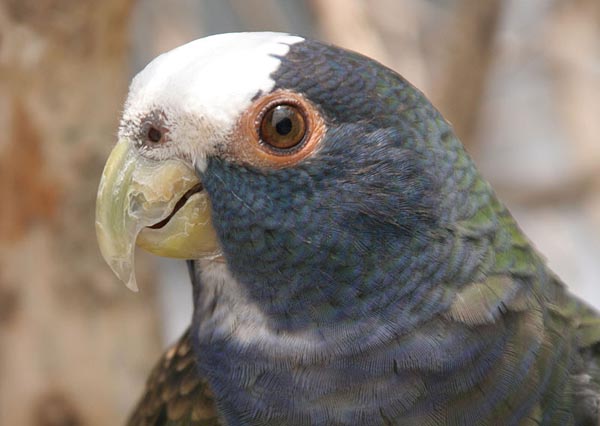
(375, 281)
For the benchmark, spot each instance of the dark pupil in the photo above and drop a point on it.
(282, 121)
(284, 126)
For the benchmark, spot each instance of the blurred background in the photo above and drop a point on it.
(519, 80)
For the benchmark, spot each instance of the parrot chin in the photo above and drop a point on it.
(160, 206)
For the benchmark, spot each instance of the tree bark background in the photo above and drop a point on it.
(75, 346)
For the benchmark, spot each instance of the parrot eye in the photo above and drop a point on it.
(282, 127)
(277, 130)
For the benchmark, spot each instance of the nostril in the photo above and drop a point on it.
(153, 129)
(154, 134)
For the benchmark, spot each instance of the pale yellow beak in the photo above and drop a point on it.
(137, 193)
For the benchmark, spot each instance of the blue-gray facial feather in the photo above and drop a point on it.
(326, 232)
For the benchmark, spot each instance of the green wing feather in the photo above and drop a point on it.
(552, 336)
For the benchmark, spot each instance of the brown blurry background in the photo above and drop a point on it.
(520, 81)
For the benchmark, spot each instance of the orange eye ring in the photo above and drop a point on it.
(260, 143)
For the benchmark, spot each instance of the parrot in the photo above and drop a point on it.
(349, 263)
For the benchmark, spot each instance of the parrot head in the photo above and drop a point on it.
(350, 265)
(316, 175)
